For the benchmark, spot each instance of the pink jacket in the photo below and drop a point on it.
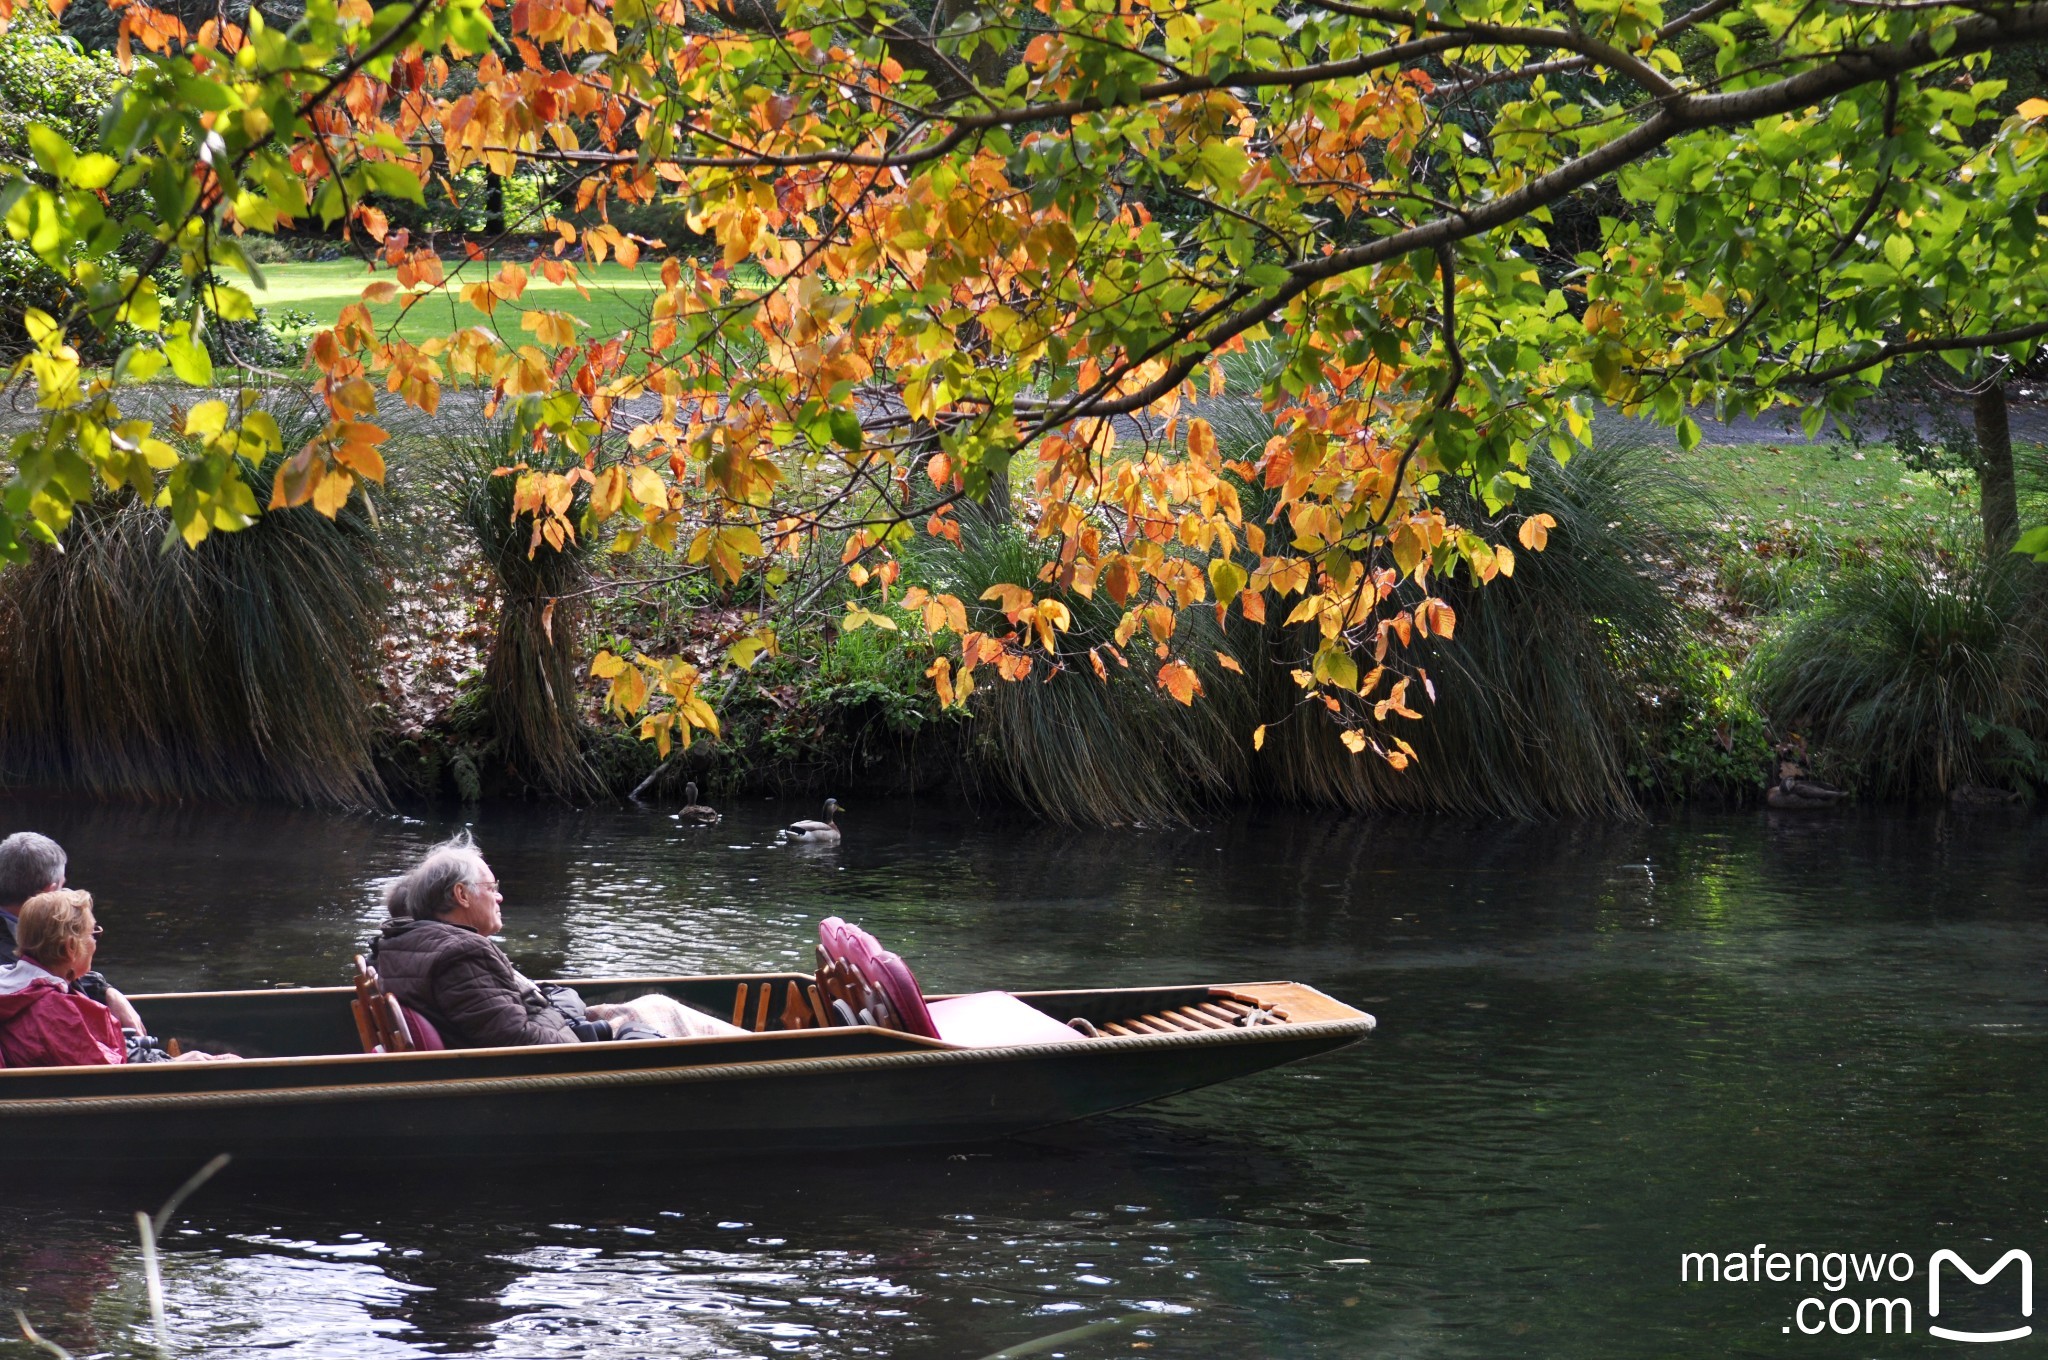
(43, 1023)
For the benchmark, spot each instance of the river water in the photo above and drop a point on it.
(1600, 1047)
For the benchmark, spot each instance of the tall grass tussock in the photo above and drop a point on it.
(131, 666)
(534, 668)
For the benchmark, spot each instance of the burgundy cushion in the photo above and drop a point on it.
(881, 970)
(997, 1020)
(425, 1038)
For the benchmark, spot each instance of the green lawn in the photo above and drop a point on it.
(620, 298)
(1762, 489)
(1798, 488)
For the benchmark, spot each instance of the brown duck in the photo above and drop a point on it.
(1797, 791)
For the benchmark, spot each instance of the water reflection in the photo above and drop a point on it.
(1599, 1046)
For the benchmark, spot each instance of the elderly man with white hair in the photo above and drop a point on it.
(438, 958)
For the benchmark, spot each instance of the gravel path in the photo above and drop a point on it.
(2029, 421)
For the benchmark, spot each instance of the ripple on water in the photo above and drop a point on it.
(1599, 1046)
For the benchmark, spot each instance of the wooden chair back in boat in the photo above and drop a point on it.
(380, 1020)
(800, 1007)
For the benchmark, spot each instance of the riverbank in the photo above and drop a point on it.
(1739, 543)
(1646, 658)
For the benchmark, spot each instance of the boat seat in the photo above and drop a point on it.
(875, 986)
(386, 1025)
(996, 1020)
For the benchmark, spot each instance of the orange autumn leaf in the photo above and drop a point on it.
(1179, 679)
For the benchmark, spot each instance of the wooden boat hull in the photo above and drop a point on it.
(856, 1087)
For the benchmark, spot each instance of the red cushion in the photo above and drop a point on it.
(997, 1020)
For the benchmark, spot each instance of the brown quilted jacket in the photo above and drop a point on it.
(465, 985)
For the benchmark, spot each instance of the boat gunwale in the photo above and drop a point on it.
(909, 1045)
(1342, 1031)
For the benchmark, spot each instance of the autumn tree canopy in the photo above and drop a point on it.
(958, 259)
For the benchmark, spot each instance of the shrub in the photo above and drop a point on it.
(1918, 670)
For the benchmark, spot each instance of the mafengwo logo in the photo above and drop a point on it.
(1860, 1295)
(1944, 1257)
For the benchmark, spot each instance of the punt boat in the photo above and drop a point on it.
(307, 1091)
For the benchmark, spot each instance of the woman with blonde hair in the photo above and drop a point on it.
(43, 1021)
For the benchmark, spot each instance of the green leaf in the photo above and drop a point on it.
(1688, 434)
(846, 431)
(189, 360)
(53, 154)
(1226, 579)
(1897, 251)
(94, 171)
(394, 181)
(1334, 666)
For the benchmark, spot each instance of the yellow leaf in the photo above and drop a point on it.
(2034, 110)
(628, 692)
(1228, 663)
(608, 492)
(1012, 600)
(208, 417)
(1226, 578)
(698, 714)
(331, 493)
(648, 488)
(1535, 531)
(940, 673)
(1353, 739)
(550, 328)
(1259, 737)
(857, 618)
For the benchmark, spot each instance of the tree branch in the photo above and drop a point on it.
(1685, 113)
(1933, 344)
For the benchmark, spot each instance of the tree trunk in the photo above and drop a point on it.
(1997, 498)
(494, 205)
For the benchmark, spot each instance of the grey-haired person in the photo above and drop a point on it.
(438, 958)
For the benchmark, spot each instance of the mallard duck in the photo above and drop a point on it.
(695, 813)
(814, 833)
